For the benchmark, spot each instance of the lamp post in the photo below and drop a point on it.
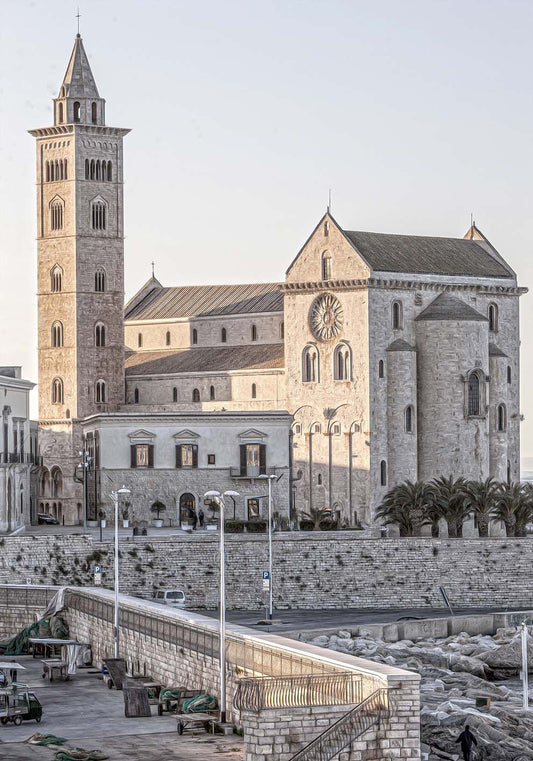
(270, 479)
(85, 464)
(222, 625)
(115, 495)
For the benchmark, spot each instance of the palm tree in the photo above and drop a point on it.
(406, 505)
(481, 498)
(513, 507)
(449, 497)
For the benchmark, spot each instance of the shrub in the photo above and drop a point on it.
(256, 527)
(307, 525)
(234, 527)
(328, 525)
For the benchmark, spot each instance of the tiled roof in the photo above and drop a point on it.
(446, 307)
(206, 301)
(208, 359)
(428, 255)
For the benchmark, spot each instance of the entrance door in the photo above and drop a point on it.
(187, 507)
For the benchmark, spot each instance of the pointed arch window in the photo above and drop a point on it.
(47, 171)
(87, 170)
(56, 276)
(474, 394)
(212, 393)
(383, 473)
(381, 369)
(397, 315)
(109, 172)
(56, 214)
(60, 113)
(99, 334)
(310, 364)
(174, 394)
(100, 395)
(195, 395)
(98, 170)
(326, 266)
(501, 417)
(94, 114)
(57, 334)
(342, 363)
(93, 169)
(409, 419)
(98, 214)
(254, 333)
(509, 374)
(65, 174)
(493, 318)
(57, 391)
(194, 336)
(167, 338)
(136, 395)
(100, 280)
(77, 109)
(223, 336)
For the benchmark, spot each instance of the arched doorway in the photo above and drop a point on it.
(187, 507)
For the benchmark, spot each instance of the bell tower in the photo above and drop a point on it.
(80, 248)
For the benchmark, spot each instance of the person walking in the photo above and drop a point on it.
(201, 517)
(194, 520)
(467, 739)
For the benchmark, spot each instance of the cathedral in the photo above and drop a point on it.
(379, 357)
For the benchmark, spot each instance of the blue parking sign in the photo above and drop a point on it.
(266, 575)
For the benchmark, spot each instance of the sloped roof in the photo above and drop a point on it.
(400, 345)
(205, 301)
(495, 351)
(206, 359)
(428, 255)
(78, 80)
(446, 307)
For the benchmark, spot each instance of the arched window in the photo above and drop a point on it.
(397, 315)
(326, 266)
(87, 170)
(60, 113)
(212, 393)
(342, 364)
(194, 336)
(167, 338)
(139, 340)
(502, 417)
(282, 330)
(57, 391)
(99, 334)
(56, 214)
(381, 369)
(254, 391)
(136, 395)
(100, 392)
(309, 364)
(474, 395)
(93, 113)
(93, 168)
(195, 395)
(493, 318)
(57, 334)
(65, 177)
(47, 171)
(509, 374)
(100, 280)
(109, 172)
(174, 394)
(319, 479)
(409, 419)
(223, 335)
(254, 332)
(77, 111)
(98, 215)
(383, 473)
(98, 171)
(508, 471)
(56, 484)
(60, 169)
(55, 278)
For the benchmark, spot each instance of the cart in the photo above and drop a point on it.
(55, 667)
(18, 704)
(207, 720)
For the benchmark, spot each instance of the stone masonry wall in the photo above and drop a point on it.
(311, 570)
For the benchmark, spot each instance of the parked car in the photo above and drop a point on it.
(173, 597)
(48, 519)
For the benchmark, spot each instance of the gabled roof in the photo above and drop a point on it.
(446, 307)
(203, 300)
(78, 80)
(419, 254)
(208, 359)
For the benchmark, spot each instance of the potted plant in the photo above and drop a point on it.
(157, 508)
(126, 514)
(102, 517)
(212, 521)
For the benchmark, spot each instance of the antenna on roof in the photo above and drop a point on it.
(153, 269)
(329, 201)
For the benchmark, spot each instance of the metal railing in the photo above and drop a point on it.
(340, 688)
(346, 729)
(25, 596)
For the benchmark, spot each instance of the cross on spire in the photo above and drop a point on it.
(78, 15)
(153, 269)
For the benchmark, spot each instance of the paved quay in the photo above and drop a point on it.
(91, 716)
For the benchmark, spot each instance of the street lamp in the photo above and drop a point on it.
(115, 496)
(85, 464)
(222, 627)
(270, 479)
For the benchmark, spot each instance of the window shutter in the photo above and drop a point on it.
(243, 459)
(195, 455)
(178, 455)
(150, 455)
(133, 456)
(262, 459)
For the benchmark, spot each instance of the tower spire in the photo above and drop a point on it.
(78, 99)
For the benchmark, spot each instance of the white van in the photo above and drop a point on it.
(173, 597)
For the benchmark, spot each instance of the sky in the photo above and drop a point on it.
(243, 115)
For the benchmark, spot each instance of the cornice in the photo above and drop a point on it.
(398, 284)
(69, 129)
